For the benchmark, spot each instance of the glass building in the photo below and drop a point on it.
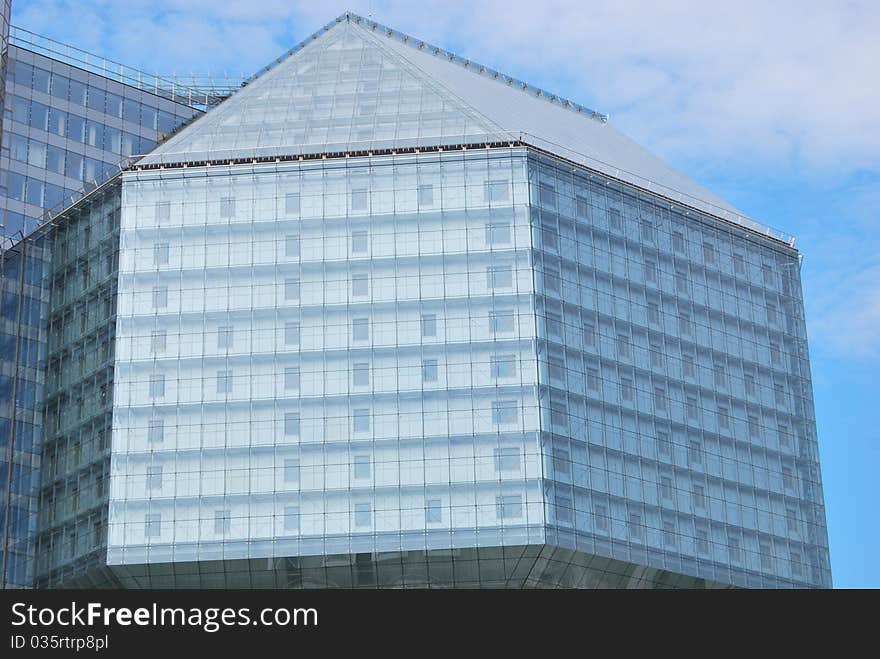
(389, 318)
(69, 120)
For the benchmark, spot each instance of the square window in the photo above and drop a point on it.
(291, 424)
(433, 511)
(626, 389)
(615, 219)
(684, 324)
(691, 407)
(160, 297)
(496, 190)
(791, 519)
(429, 325)
(601, 519)
(161, 253)
(507, 458)
(291, 289)
(564, 508)
(429, 370)
(678, 242)
(664, 443)
(154, 477)
(653, 313)
(360, 329)
(502, 366)
(739, 264)
(152, 525)
(426, 194)
(360, 242)
(651, 271)
(291, 470)
(709, 253)
(558, 414)
(361, 420)
(499, 276)
(227, 207)
(550, 238)
(787, 477)
(359, 199)
(508, 506)
(754, 426)
(688, 369)
(669, 537)
(656, 354)
(157, 385)
(796, 567)
(547, 195)
(291, 378)
(163, 211)
(634, 526)
(504, 411)
(291, 333)
(659, 399)
(291, 518)
(784, 435)
(723, 418)
(362, 466)
(695, 452)
(498, 233)
(720, 377)
(779, 394)
(589, 334)
(224, 382)
(360, 374)
(699, 496)
(623, 345)
(222, 521)
(701, 537)
(501, 321)
(647, 230)
(554, 324)
(292, 203)
(561, 462)
(581, 207)
(360, 285)
(749, 384)
(363, 515)
(665, 487)
(292, 247)
(592, 378)
(734, 550)
(224, 337)
(155, 430)
(158, 340)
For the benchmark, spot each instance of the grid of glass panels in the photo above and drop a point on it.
(22, 375)
(325, 357)
(677, 415)
(76, 401)
(66, 128)
(344, 91)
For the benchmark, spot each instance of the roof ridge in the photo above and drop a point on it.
(419, 44)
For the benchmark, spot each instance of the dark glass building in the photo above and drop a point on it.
(390, 318)
(70, 120)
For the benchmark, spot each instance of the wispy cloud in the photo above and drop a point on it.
(787, 82)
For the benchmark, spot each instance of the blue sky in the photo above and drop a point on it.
(775, 106)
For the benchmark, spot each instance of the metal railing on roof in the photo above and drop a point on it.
(196, 90)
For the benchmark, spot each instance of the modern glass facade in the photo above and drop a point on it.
(66, 129)
(436, 354)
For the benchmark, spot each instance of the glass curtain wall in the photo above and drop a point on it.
(325, 357)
